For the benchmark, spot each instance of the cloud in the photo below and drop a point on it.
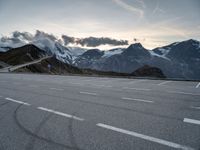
(93, 41)
(24, 35)
(43, 34)
(43, 39)
(67, 39)
(131, 8)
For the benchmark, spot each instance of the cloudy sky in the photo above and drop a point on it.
(151, 22)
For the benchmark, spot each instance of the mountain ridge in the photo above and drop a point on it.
(176, 60)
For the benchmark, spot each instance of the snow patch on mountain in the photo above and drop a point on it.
(110, 53)
(157, 55)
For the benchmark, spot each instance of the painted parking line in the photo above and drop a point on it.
(17, 101)
(75, 83)
(101, 85)
(60, 113)
(192, 121)
(185, 93)
(165, 82)
(88, 93)
(56, 89)
(146, 137)
(138, 89)
(194, 107)
(197, 86)
(138, 100)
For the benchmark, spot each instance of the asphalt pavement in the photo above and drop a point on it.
(46, 112)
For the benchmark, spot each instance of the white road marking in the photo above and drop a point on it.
(139, 89)
(139, 100)
(176, 92)
(162, 83)
(146, 137)
(198, 85)
(57, 89)
(88, 93)
(195, 107)
(16, 101)
(60, 113)
(193, 121)
(75, 83)
(101, 85)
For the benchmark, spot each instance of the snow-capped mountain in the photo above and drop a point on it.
(47, 42)
(177, 60)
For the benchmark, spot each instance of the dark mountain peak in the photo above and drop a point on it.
(191, 41)
(137, 46)
(185, 51)
(93, 53)
(29, 45)
(186, 48)
(136, 50)
(22, 54)
(188, 43)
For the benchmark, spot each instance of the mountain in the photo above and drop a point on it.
(30, 53)
(183, 59)
(22, 55)
(46, 42)
(124, 60)
(177, 60)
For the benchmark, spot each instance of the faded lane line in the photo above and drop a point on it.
(88, 93)
(101, 85)
(185, 93)
(57, 89)
(75, 83)
(16, 101)
(193, 121)
(176, 92)
(198, 85)
(193, 107)
(139, 89)
(145, 137)
(139, 100)
(60, 113)
(162, 83)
